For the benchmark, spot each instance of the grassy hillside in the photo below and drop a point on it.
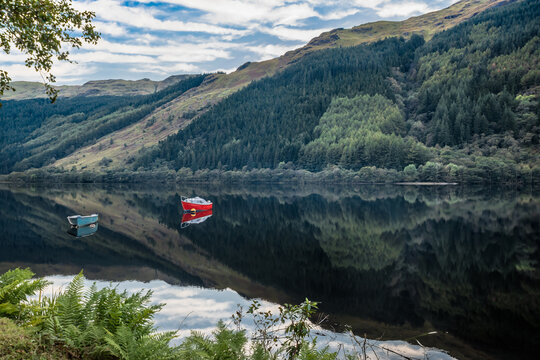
(164, 121)
(425, 25)
(35, 133)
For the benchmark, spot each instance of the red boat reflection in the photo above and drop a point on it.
(193, 217)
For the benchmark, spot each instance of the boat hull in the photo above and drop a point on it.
(78, 220)
(187, 206)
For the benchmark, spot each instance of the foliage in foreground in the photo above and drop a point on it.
(90, 323)
(106, 323)
(81, 323)
(15, 286)
(42, 31)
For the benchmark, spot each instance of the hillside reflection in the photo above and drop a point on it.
(386, 260)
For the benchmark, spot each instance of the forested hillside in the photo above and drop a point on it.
(364, 130)
(273, 118)
(34, 133)
(457, 105)
(465, 102)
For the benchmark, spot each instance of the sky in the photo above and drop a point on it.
(156, 39)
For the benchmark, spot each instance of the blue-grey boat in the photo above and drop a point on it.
(82, 231)
(78, 220)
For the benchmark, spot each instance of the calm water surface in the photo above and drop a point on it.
(392, 262)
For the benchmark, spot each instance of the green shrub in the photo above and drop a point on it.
(104, 323)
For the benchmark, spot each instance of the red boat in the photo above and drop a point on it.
(195, 204)
(190, 218)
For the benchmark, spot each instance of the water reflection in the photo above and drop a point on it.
(391, 261)
(83, 231)
(194, 217)
(190, 308)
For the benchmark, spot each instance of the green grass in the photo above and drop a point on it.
(20, 343)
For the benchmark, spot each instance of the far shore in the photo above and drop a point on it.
(426, 183)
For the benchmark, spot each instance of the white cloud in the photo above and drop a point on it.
(290, 14)
(369, 4)
(110, 28)
(14, 57)
(336, 15)
(204, 35)
(65, 72)
(109, 58)
(403, 9)
(145, 18)
(247, 13)
(177, 52)
(166, 69)
(271, 51)
(287, 33)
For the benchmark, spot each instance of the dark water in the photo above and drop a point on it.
(391, 262)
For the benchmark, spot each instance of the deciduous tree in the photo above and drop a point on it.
(44, 31)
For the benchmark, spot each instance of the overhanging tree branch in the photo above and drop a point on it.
(43, 30)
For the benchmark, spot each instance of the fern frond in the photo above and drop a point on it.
(69, 303)
(15, 288)
(117, 344)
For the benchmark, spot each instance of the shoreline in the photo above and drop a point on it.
(424, 183)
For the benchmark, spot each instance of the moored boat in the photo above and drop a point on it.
(195, 204)
(78, 220)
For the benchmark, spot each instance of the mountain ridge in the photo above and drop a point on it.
(119, 148)
(107, 87)
(425, 25)
(465, 107)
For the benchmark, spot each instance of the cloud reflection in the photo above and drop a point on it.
(191, 308)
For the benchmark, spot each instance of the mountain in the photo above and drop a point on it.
(292, 113)
(35, 132)
(462, 106)
(425, 25)
(113, 87)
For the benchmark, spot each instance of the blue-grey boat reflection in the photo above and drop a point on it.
(82, 231)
